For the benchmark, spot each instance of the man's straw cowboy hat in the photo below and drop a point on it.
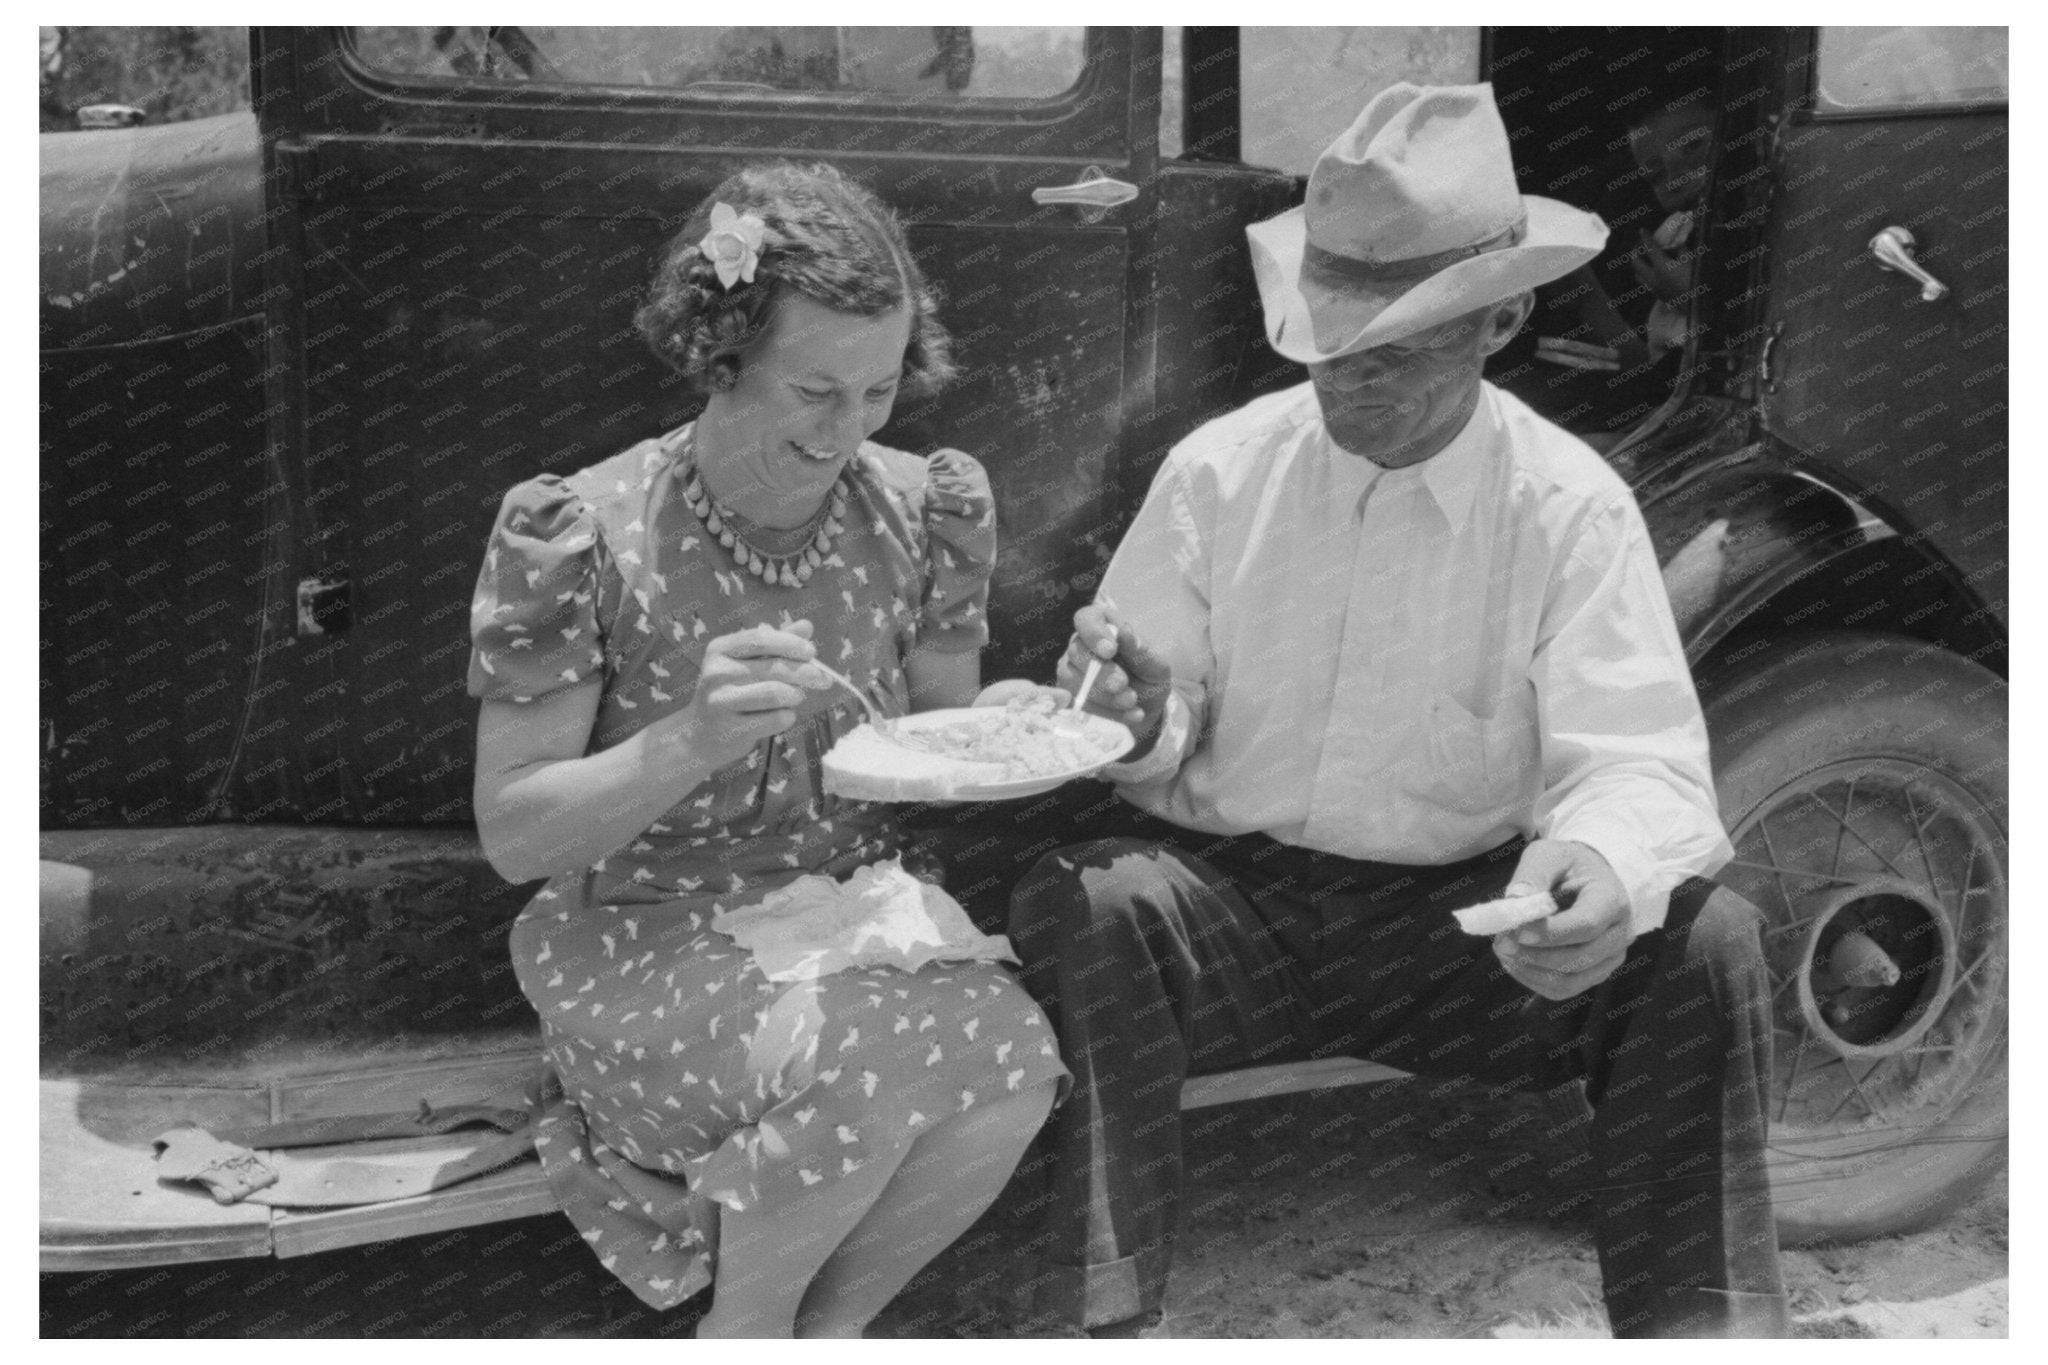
(1413, 218)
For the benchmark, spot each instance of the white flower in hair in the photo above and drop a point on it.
(733, 246)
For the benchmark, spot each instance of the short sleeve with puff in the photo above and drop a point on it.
(533, 622)
(960, 518)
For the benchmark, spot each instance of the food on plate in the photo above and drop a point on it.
(1510, 912)
(943, 752)
(1029, 737)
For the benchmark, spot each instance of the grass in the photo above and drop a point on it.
(1583, 1317)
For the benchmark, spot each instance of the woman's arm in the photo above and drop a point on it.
(544, 805)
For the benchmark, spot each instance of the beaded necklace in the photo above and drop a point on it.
(790, 570)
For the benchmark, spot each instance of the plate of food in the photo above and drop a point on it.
(973, 753)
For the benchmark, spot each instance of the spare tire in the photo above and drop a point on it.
(1862, 779)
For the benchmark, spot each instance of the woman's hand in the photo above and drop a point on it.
(1005, 690)
(545, 805)
(749, 688)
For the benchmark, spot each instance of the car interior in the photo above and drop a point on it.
(1631, 138)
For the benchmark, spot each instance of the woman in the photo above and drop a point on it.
(650, 740)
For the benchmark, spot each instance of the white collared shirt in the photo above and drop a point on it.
(1415, 665)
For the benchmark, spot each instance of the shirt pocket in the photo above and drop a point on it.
(1482, 764)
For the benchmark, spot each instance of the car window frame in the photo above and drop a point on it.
(1481, 59)
(653, 100)
(1812, 108)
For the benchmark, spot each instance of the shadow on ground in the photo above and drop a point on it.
(1410, 1209)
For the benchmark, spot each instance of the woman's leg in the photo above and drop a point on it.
(768, 1260)
(953, 1173)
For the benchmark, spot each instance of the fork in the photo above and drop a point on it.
(1088, 679)
(1073, 712)
(885, 726)
(875, 718)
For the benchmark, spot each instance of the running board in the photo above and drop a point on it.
(103, 1208)
(1287, 1078)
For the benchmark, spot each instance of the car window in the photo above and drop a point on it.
(1888, 68)
(950, 63)
(1300, 87)
(170, 74)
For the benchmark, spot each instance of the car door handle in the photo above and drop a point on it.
(1893, 248)
(1094, 190)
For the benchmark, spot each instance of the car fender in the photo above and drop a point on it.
(1754, 546)
(150, 232)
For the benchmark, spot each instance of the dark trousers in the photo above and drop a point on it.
(1161, 960)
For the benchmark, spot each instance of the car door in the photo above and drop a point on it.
(468, 219)
(1894, 148)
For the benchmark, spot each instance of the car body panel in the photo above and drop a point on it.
(463, 271)
(1901, 399)
(149, 232)
(156, 562)
(263, 513)
(154, 461)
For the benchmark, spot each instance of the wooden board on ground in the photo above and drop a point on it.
(111, 1212)
(101, 1204)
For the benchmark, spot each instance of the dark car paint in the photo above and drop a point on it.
(150, 232)
(180, 693)
(1901, 399)
(457, 306)
(156, 549)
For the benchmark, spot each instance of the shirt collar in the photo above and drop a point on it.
(1350, 475)
(1451, 475)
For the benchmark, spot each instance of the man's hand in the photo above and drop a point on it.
(1579, 947)
(1134, 683)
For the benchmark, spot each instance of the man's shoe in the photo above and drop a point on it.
(1150, 1326)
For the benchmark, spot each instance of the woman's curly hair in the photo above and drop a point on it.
(828, 238)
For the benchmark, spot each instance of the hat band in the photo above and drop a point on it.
(1415, 267)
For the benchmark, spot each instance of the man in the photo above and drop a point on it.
(1392, 645)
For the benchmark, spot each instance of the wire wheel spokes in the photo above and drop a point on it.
(1849, 830)
(1883, 895)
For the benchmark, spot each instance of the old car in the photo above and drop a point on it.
(292, 356)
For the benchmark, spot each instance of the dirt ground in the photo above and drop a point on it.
(1407, 1209)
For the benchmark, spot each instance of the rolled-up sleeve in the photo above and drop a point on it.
(1157, 582)
(1624, 747)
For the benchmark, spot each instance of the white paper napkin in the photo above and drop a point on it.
(881, 916)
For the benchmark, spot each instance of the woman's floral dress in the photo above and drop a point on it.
(688, 1080)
